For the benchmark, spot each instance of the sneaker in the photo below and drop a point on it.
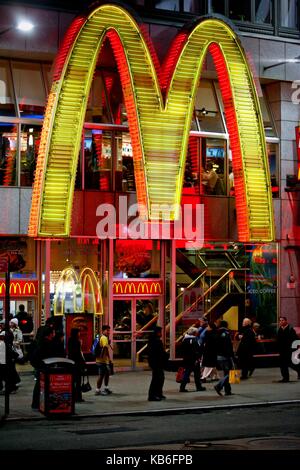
(108, 391)
(154, 399)
(218, 390)
(162, 397)
(97, 392)
(104, 392)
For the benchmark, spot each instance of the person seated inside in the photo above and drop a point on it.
(209, 179)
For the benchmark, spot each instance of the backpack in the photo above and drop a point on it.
(96, 349)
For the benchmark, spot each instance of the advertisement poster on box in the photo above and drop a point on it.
(60, 393)
(84, 322)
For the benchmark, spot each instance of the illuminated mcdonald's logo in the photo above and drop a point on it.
(155, 288)
(145, 287)
(28, 287)
(129, 288)
(159, 103)
(142, 288)
(21, 288)
(15, 288)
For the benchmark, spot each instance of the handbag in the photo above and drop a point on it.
(111, 368)
(85, 386)
(180, 374)
(234, 376)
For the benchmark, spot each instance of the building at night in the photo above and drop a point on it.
(150, 165)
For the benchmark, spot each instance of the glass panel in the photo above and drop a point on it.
(30, 140)
(272, 150)
(8, 152)
(289, 13)
(192, 167)
(97, 110)
(167, 5)
(215, 6)
(7, 107)
(240, 11)
(137, 258)
(122, 333)
(194, 6)
(98, 159)
(29, 88)
(214, 163)
(146, 318)
(263, 11)
(267, 118)
(124, 174)
(206, 108)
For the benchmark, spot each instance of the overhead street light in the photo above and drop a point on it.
(24, 26)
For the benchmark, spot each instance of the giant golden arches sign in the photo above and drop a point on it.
(159, 104)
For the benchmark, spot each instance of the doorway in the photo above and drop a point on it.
(134, 319)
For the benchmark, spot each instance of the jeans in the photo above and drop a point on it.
(224, 364)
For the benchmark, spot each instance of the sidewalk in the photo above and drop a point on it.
(130, 395)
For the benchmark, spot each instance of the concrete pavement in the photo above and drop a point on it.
(130, 395)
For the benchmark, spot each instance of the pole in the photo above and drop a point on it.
(7, 313)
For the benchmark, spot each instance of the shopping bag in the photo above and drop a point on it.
(85, 386)
(180, 375)
(234, 376)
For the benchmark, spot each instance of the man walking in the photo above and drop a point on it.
(157, 357)
(103, 362)
(224, 357)
(286, 335)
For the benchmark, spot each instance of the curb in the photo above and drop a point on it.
(155, 412)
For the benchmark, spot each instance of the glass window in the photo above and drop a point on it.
(192, 167)
(240, 11)
(289, 13)
(97, 109)
(194, 6)
(136, 258)
(7, 107)
(215, 6)
(214, 164)
(206, 108)
(267, 118)
(30, 89)
(272, 150)
(167, 5)
(97, 159)
(8, 153)
(124, 174)
(263, 11)
(30, 141)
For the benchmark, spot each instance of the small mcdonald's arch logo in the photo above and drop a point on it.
(20, 288)
(140, 288)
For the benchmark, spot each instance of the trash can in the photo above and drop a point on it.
(57, 387)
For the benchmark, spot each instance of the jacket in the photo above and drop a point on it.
(224, 344)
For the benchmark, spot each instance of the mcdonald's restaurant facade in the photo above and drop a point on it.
(149, 165)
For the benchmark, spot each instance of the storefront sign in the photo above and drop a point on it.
(20, 288)
(160, 104)
(139, 288)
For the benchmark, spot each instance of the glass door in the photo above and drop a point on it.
(134, 320)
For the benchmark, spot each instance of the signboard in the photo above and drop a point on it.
(140, 288)
(60, 393)
(20, 288)
(84, 322)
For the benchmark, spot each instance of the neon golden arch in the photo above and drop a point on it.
(159, 105)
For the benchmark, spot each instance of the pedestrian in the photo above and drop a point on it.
(191, 352)
(224, 358)
(76, 355)
(258, 336)
(246, 348)
(203, 323)
(44, 349)
(157, 358)
(25, 320)
(103, 362)
(209, 355)
(16, 345)
(286, 335)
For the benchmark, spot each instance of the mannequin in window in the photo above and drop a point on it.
(209, 179)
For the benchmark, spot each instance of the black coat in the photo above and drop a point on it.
(74, 351)
(157, 356)
(248, 342)
(224, 343)
(285, 338)
(191, 350)
(209, 357)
